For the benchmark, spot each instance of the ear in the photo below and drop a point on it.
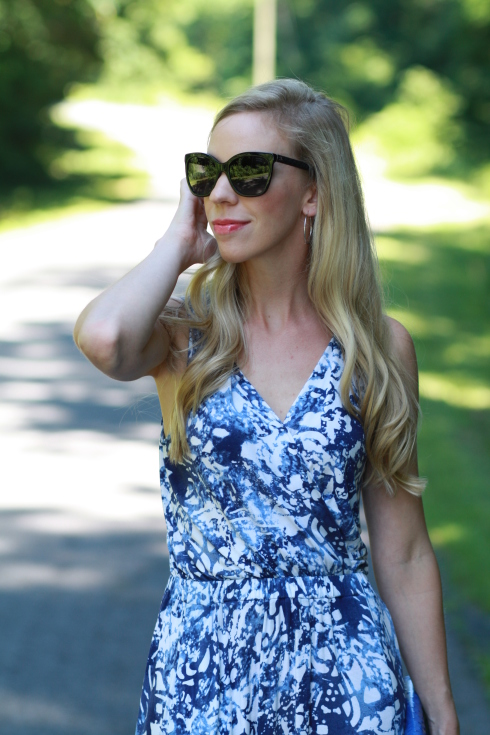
(310, 201)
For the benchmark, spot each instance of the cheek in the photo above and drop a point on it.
(283, 209)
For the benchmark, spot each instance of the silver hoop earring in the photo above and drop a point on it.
(310, 231)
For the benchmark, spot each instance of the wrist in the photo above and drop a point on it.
(445, 722)
(177, 249)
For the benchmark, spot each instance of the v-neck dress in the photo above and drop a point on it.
(268, 624)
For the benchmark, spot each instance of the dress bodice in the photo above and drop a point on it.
(260, 497)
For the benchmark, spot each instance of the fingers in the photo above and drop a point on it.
(189, 226)
(187, 198)
(184, 187)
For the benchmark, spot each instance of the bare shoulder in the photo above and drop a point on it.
(402, 346)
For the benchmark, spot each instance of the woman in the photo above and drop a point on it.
(284, 391)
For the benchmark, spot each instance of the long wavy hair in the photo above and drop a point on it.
(343, 284)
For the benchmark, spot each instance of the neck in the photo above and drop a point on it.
(278, 291)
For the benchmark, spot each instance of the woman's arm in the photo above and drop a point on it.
(119, 331)
(408, 579)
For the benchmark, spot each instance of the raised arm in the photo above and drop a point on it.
(408, 579)
(119, 331)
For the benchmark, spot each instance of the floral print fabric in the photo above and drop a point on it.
(268, 624)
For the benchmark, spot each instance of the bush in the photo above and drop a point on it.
(44, 46)
(417, 132)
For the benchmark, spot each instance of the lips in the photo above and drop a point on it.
(225, 226)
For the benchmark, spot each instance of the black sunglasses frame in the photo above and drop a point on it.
(271, 159)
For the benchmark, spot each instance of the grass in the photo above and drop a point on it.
(438, 286)
(92, 173)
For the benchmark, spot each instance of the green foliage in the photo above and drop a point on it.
(426, 61)
(44, 46)
(439, 282)
(417, 132)
(178, 46)
(92, 173)
(359, 52)
(366, 53)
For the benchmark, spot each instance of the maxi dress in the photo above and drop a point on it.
(268, 624)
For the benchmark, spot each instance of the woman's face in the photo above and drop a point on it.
(250, 227)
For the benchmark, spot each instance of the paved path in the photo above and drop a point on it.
(82, 537)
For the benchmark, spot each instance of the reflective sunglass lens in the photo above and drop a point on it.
(202, 174)
(250, 174)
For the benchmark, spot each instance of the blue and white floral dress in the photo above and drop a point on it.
(268, 624)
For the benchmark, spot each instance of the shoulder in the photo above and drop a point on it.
(401, 346)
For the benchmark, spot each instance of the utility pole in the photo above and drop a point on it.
(264, 51)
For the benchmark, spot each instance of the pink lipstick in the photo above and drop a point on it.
(224, 226)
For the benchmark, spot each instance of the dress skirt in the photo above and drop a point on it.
(273, 656)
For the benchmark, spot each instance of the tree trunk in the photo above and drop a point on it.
(264, 52)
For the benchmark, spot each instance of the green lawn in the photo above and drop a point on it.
(438, 286)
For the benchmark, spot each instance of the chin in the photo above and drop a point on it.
(232, 255)
(229, 258)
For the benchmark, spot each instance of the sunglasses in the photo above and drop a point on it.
(249, 174)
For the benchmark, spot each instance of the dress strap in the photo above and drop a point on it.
(194, 346)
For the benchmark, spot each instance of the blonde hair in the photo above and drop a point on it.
(343, 284)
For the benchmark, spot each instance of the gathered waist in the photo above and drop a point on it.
(260, 588)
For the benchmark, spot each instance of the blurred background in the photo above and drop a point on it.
(100, 99)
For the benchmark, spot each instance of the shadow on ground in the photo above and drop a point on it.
(77, 612)
(54, 388)
(79, 596)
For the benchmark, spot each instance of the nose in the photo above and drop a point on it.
(223, 191)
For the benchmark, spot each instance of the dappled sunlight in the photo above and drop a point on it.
(43, 712)
(73, 440)
(68, 391)
(416, 133)
(79, 600)
(449, 533)
(392, 204)
(423, 326)
(443, 302)
(18, 576)
(160, 135)
(100, 479)
(467, 348)
(62, 383)
(455, 390)
(74, 551)
(389, 248)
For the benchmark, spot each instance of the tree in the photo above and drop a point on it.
(45, 45)
(264, 41)
(360, 52)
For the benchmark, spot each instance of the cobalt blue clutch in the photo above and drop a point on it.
(414, 718)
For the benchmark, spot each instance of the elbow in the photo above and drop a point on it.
(100, 343)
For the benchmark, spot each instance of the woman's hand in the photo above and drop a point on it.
(188, 230)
